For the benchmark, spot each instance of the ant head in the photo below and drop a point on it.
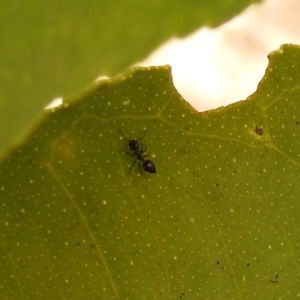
(133, 145)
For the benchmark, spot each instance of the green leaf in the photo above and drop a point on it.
(54, 48)
(219, 220)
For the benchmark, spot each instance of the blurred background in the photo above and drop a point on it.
(235, 56)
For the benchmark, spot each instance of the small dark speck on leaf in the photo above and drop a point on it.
(275, 281)
(195, 174)
(259, 130)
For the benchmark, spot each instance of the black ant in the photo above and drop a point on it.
(138, 149)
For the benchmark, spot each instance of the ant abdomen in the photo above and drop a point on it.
(149, 166)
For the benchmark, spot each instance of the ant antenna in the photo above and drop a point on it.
(139, 139)
(123, 135)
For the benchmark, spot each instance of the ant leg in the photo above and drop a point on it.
(131, 154)
(123, 136)
(144, 135)
(131, 167)
(143, 148)
(140, 163)
(146, 155)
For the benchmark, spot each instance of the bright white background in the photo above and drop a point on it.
(216, 67)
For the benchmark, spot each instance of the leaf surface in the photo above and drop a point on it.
(219, 220)
(51, 48)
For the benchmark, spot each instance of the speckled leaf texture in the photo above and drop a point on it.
(219, 220)
(52, 48)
